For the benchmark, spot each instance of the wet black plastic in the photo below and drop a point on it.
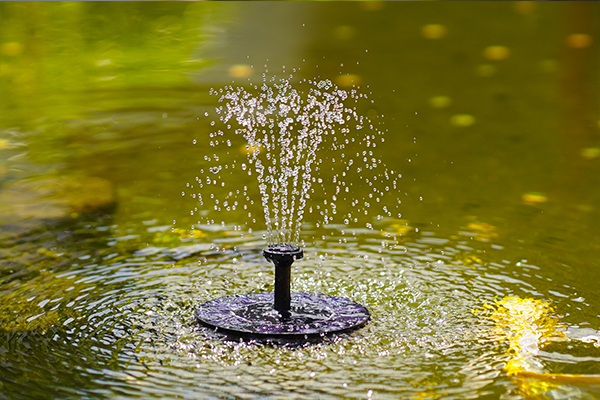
(282, 313)
(282, 256)
(310, 315)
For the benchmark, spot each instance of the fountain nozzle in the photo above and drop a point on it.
(282, 255)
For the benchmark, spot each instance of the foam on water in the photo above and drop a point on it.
(300, 139)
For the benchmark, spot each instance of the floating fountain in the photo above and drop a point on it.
(283, 128)
(282, 313)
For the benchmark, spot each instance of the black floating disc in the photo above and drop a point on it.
(311, 314)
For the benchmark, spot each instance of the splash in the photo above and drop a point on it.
(309, 151)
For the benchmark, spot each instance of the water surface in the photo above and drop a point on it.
(490, 113)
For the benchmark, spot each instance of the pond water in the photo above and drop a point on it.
(483, 283)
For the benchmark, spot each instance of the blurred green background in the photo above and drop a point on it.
(490, 102)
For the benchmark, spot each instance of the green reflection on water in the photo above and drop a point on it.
(58, 55)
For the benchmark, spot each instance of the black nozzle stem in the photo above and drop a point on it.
(282, 255)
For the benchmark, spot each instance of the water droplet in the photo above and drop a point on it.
(289, 126)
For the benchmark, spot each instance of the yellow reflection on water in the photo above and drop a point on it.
(528, 325)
